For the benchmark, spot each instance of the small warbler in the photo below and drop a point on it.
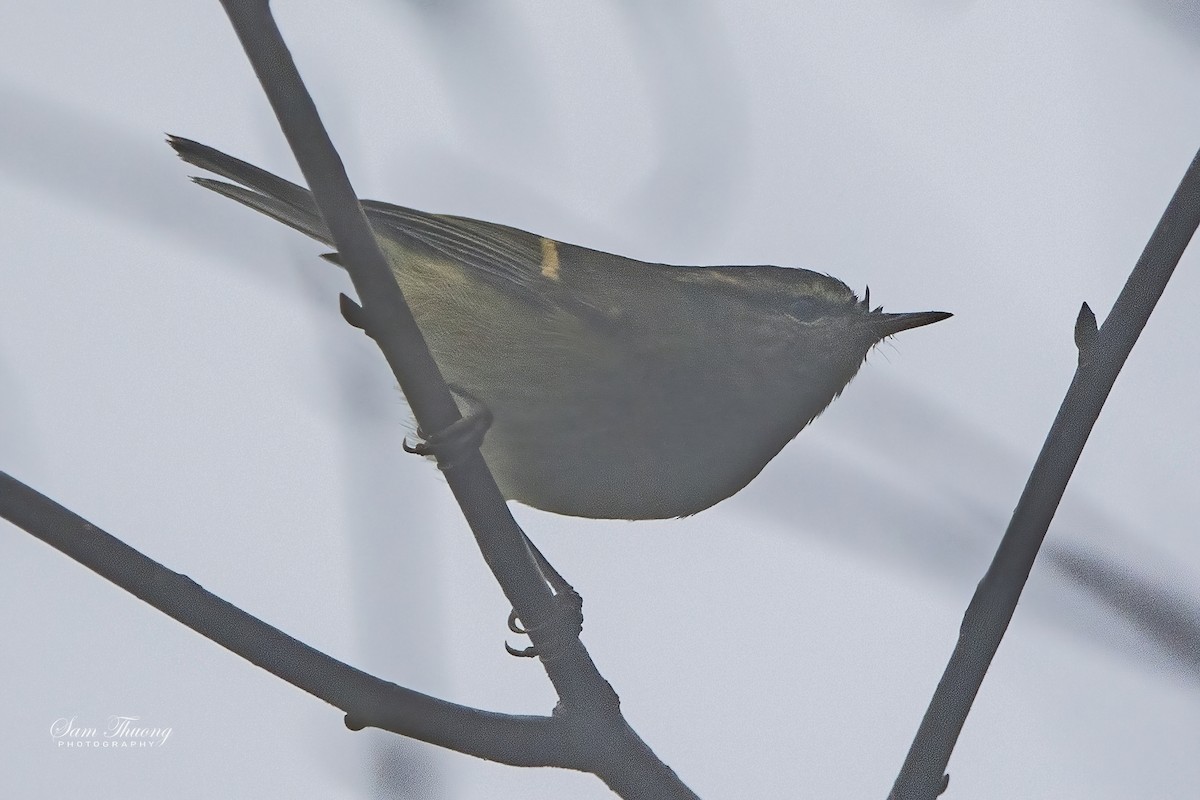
(618, 389)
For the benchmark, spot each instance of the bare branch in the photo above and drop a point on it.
(1102, 353)
(367, 700)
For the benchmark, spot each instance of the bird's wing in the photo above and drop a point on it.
(510, 260)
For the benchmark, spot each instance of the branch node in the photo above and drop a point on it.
(1086, 332)
(352, 312)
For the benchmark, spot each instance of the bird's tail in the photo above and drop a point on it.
(279, 199)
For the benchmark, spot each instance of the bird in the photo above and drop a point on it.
(616, 388)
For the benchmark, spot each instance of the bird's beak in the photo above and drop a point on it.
(886, 325)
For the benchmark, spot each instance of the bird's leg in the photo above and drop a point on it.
(457, 440)
(565, 623)
(449, 446)
(460, 438)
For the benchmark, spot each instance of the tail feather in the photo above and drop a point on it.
(269, 194)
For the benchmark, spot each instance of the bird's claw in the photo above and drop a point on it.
(565, 624)
(457, 441)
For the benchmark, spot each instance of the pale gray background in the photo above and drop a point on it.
(173, 367)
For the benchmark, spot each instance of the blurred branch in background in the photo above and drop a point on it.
(91, 164)
(1167, 615)
(944, 525)
(1180, 17)
(486, 59)
(699, 120)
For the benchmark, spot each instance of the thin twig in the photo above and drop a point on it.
(1102, 354)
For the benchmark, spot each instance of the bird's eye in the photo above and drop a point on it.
(806, 308)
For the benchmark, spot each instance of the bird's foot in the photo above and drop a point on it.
(564, 625)
(457, 441)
